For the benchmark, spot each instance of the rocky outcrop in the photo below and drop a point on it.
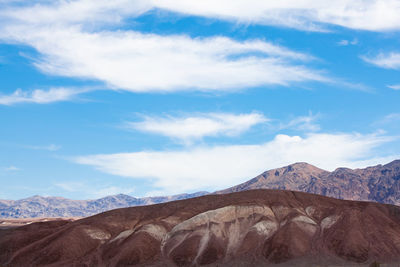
(379, 183)
(250, 228)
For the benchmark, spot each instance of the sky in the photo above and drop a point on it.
(162, 97)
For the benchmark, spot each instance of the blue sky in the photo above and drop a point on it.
(165, 97)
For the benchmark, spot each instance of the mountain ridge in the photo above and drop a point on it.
(39, 206)
(379, 183)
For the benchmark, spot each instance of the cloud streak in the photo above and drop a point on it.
(74, 39)
(216, 167)
(305, 15)
(195, 127)
(311, 15)
(390, 119)
(39, 96)
(394, 87)
(347, 42)
(140, 62)
(302, 123)
(384, 60)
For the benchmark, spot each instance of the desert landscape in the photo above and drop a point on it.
(376, 183)
(250, 228)
(185, 133)
(240, 226)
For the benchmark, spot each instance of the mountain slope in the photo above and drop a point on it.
(38, 206)
(250, 228)
(379, 183)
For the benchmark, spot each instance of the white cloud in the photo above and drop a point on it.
(394, 86)
(75, 12)
(347, 42)
(302, 123)
(222, 166)
(39, 96)
(147, 62)
(387, 60)
(189, 128)
(373, 15)
(71, 41)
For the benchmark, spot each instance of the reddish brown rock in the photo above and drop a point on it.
(379, 183)
(249, 228)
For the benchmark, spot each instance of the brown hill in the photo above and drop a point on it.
(380, 183)
(250, 228)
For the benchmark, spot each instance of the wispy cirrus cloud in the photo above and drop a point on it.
(312, 15)
(306, 123)
(140, 62)
(39, 96)
(394, 86)
(216, 167)
(347, 42)
(71, 39)
(74, 12)
(384, 60)
(390, 118)
(196, 126)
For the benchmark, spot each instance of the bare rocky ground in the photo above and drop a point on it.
(11, 223)
(249, 228)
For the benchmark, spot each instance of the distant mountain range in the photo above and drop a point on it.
(379, 183)
(38, 206)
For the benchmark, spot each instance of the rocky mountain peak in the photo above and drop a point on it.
(301, 168)
(377, 183)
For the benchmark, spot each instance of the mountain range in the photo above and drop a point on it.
(379, 183)
(248, 228)
(38, 206)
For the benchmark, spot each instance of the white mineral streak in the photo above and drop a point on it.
(329, 221)
(97, 234)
